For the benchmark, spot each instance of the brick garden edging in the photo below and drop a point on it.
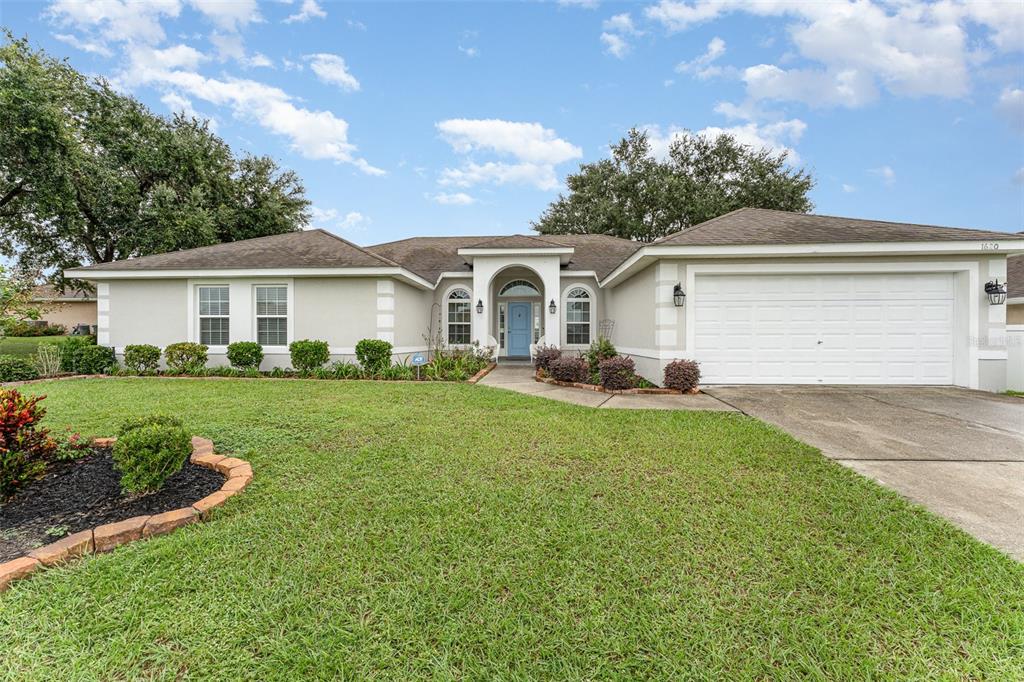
(601, 389)
(482, 373)
(237, 474)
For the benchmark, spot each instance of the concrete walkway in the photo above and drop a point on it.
(519, 378)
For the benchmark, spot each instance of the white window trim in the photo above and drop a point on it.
(447, 311)
(565, 313)
(195, 334)
(290, 317)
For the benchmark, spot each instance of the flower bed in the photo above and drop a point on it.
(597, 388)
(144, 520)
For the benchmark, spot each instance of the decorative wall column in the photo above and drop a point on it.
(386, 310)
(103, 314)
(666, 315)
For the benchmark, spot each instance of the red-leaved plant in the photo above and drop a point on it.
(24, 444)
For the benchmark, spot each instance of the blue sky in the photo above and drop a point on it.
(464, 118)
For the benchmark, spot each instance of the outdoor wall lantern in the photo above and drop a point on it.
(996, 292)
(479, 305)
(678, 297)
(551, 307)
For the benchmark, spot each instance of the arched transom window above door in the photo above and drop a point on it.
(577, 316)
(519, 287)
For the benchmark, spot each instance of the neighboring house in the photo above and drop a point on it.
(756, 296)
(70, 308)
(1015, 290)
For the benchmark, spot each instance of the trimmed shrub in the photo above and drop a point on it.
(14, 368)
(133, 423)
(70, 348)
(148, 455)
(617, 373)
(245, 354)
(95, 360)
(601, 349)
(185, 357)
(24, 444)
(22, 328)
(141, 357)
(568, 368)
(544, 355)
(309, 355)
(374, 355)
(682, 375)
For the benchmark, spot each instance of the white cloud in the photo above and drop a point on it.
(703, 66)
(620, 23)
(313, 134)
(354, 24)
(451, 199)
(115, 20)
(229, 15)
(530, 142)
(850, 88)
(1011, 107)
(331, 219)
(615, 45)
(849, 189)
(309, 10)
(615, 30)
(584, 4)
(331, 69)
(535, 151)
(231, 46)
(909, 47)
(91, 46)
(777, 136)
(469, 51)
(354, 220)
(887, 174)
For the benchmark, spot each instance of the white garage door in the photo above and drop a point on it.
(825, 329)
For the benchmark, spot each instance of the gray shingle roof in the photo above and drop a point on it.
(46, 292)
(309, 249)
(1015, 276)
(430, 256)
(764, 226)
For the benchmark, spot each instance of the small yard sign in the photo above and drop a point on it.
(418, 360)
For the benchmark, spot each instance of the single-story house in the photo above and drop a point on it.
(1015, 290)
(756, 296)
(69, 308)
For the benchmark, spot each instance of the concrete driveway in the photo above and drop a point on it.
(958, 452)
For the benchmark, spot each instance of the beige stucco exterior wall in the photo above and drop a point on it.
(985, 333)
(412, 317)
(70, 313)
(340, 311)
(631, 306)
(143, 311)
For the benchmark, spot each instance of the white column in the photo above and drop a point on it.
(481, 321)
(551, 276)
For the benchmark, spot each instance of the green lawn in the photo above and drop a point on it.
(25, 346)
(400, 531)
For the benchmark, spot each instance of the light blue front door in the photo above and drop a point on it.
(519, 326)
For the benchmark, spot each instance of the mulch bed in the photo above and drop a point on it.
(84, 493)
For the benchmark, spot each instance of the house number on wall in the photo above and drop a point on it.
(990, 246)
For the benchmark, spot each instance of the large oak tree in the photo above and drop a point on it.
(88, 174)
(635, 196)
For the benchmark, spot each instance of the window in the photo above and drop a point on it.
(501, 325)
(577, 316)
(272, 315)
(214, 311)
(519, 287)
(459, 319)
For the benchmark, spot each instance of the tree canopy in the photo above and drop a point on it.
(632, 195)
(88, 174)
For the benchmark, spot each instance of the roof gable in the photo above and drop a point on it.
(765, 226)
(308, 249)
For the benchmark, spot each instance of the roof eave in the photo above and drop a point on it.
(645, 254)
(399, 273)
